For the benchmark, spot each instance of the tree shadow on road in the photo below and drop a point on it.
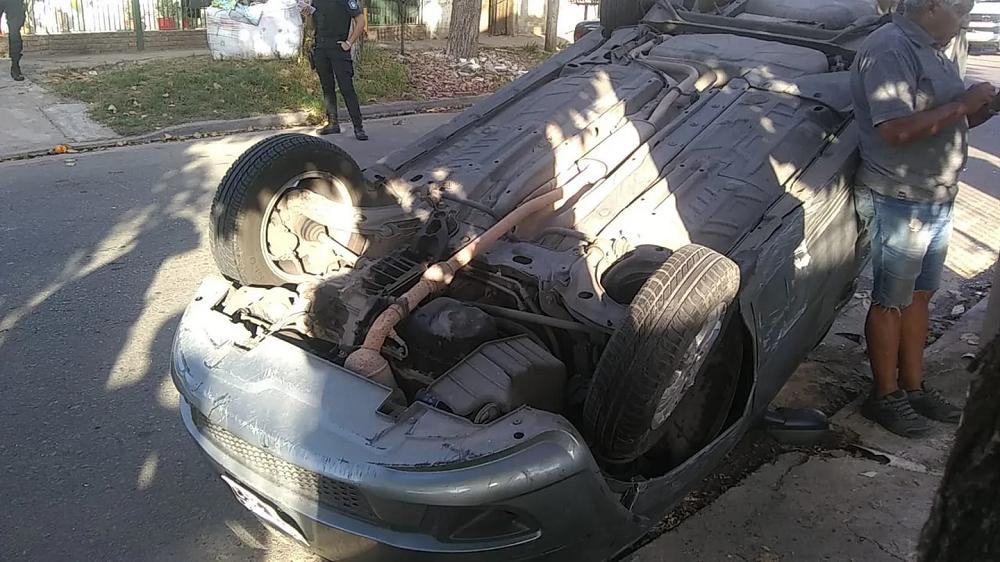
(99, 259)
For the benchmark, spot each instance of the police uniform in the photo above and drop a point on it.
(333, 64)
(14, 10)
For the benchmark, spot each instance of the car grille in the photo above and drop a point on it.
(336, 495)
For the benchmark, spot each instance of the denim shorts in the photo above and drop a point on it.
(909, 242)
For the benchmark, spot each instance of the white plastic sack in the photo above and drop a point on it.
(278, 33)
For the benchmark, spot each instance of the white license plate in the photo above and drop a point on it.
(261, 508)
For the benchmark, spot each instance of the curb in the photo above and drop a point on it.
(951, 340)
(261, 123)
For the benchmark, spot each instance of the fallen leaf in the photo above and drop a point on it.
(112, 109)
(958, 309)
(59, 149)
(165, 95)
(216, 85)
(870, 474)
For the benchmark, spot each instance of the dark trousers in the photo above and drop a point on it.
(14, 9)
(335, 69)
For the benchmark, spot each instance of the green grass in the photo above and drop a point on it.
(136, 98)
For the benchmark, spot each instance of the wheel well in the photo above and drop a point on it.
(743, 398)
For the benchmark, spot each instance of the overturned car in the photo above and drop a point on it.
(528, 334)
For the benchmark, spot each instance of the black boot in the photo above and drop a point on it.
(15, 71)
(360, 134)
(331, 128)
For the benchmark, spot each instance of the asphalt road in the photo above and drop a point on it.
(99, 254)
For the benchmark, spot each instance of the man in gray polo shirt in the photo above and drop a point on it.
(913, 114)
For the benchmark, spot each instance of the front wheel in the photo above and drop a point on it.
(257, 239)
(676, 325)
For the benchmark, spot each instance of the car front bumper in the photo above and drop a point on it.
(306, 436)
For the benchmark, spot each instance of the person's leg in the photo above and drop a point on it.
(913, 340)
(15, 20)
(883, 330)
(926, 401)
(897, 255)
(324, 69)
(343, 68)
(882, 325)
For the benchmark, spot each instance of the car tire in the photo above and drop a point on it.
(249, 191)
(703, 411)
(659, 352)
(622, 13)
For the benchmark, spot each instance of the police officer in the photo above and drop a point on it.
(14, 9)
(335, 35)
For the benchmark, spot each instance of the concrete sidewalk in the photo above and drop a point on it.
(34, 119)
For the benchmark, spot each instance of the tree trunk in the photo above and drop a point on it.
(551, 24)
(402, 26)
(308, 37)
(463, 31)
(964, 525)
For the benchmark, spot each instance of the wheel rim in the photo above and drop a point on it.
(278, 224)
(691, 363)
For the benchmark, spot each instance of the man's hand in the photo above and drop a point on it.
(345, 45)
(976, 97)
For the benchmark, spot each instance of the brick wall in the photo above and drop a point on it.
(90, 43)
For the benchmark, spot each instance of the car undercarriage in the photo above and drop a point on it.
(577, 294)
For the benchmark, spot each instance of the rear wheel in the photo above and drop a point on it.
(258, 239)
(673, 336)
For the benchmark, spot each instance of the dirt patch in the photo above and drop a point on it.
(949, 305)
(833, 375)
(435, 76)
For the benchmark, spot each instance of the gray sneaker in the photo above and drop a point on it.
(894, 412)
(929, 403)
